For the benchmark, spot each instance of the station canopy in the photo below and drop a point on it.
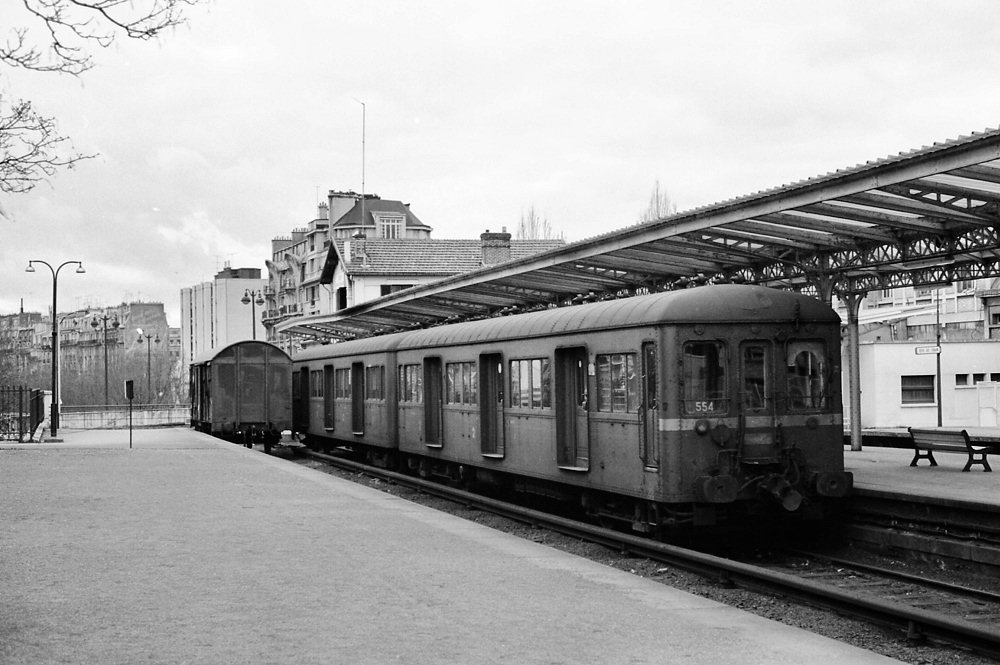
(925, 217)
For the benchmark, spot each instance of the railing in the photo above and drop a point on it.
(21, 411)
(117, 416)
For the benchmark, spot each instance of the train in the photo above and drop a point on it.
(242, 393)
(694, 407)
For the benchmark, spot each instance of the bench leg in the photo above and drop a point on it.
(973, 460)
(929, 456)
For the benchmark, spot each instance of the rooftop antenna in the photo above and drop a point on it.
(363, 110)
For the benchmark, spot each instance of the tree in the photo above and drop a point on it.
(533, 227)
(660, 205)
(55, 36)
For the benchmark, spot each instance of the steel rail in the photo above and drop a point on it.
(916, 623)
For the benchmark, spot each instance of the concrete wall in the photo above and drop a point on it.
(883, 366)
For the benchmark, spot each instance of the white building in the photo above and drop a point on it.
(901, 331)
(213, 314)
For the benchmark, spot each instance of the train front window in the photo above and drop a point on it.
(755, 380)
(705, 388)
(807, 365)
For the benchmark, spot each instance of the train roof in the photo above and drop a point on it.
(211, 355)
(723, 303)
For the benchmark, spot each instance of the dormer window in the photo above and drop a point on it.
(388, 225)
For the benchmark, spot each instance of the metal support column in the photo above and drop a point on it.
(853, 302)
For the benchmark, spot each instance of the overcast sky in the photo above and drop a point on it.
(229, 130)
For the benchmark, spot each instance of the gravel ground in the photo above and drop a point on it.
(829, 624)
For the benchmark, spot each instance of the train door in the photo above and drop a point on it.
(648, 410)
(757, 404)
(329, 398)
(252, 376)
(300, 397)
(358, 398)
(491, 423)
(433, 402)
(572, 419)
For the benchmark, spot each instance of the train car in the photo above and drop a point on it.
(242, 393)
(346, 393)
(691, 407)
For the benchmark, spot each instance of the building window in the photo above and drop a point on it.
(386, 289)
(617, 383)
(342, 381)
(917, 389)
(530, 383)
(411, 383)
(463, 383)
(961, 379)
(389, 226)
(375, 382)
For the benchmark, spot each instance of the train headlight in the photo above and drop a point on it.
(835, 484)
(701, 427)
(716, 489)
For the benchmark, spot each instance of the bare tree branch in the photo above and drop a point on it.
(660, 205)
(71, 25)
(533, 227)
(31, 148)
(55, 36)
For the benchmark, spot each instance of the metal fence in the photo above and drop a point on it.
(21, 412)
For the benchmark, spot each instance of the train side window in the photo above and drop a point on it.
(755, 379)
(531, 383)
(806, 363)
(342, 383)
(617, 383)
(463, 383)
(375, 382)
(316, 383)
(411, 383)
(705, 390)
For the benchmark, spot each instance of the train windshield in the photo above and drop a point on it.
(807, 370)
(705, 386)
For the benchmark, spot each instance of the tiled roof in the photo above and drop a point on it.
(352, 217)
(431, 256)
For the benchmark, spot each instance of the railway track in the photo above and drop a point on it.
(915, 606)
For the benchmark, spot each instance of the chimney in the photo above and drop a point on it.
(358, 252)
(496, 247)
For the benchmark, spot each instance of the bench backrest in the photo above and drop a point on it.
(939, 437)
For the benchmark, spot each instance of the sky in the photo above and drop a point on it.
(227, 131)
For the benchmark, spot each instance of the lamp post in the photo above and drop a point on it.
(149, 357)
(54, 420)
(114, 324)
(252, 298)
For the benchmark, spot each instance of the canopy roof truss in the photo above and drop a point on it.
(930, 216)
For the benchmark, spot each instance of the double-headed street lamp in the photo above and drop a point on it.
(253, 298)
(54, 420)
(149, 351)
(114, 324)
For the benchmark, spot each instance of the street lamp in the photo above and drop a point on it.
(252, 298)
(149, 351)
(55, 331)
(114, 324)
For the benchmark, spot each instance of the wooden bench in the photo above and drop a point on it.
(926, 441)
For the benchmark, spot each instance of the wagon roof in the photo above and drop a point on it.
(716, 304)
(210, 355)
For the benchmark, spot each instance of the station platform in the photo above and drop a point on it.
(187, 549)
(887, 471)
